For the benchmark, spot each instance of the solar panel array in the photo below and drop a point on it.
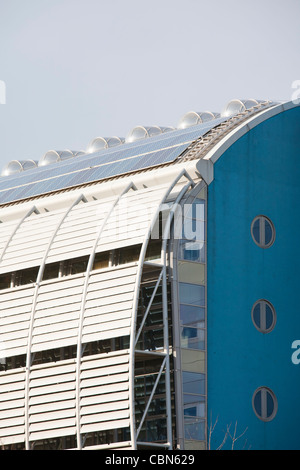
(115, 161)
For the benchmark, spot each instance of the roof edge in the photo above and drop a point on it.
(217, 151)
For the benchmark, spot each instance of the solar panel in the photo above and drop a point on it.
(114, 161)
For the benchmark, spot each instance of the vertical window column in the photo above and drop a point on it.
(191, 273)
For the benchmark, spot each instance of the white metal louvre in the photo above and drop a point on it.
(15, 311)
(28, 245)
(52, 411)
(7, 230)
(57, 312)
(126, 225)
(77, 233)
(104, 392)
(12, 403)
(108, 306)
(129, 222)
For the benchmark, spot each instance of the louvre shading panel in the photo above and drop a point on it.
(57, 313)
(12, 402)
(30, 241)
(104, 392)
(52, 406)
(129, 223)
(108, 306)
(76, 235)
(15, 314)
(6, 232)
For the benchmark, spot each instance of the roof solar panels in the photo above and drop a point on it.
(122, 159)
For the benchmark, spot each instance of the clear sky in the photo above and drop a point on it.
(78, 69)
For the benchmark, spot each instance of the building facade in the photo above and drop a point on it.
(148, 288)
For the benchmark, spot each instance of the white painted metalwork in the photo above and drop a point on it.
(84, 293)
(182, 174)
(34, 301)
(33, 209)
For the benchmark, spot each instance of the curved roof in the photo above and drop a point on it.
(165, 148)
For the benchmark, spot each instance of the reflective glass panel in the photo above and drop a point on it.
(192, 315)
(257, 403)
(256, 315)
(194, 428)
(193, 229)
(193, 382)
(270, 404)
(196, 210)
(192, 251)
(255, 231)
(192, 338)
(269, 317)
(194, 406)
(191, 294)
(268, 232)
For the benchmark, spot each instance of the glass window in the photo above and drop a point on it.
(196, 409)
(5, 281)
(101, 260)
(51, 271)
(191, 294)
(192, 315)
(194, 428)
(128, 254)
(263, 316)
(263, 231)
(196, 210)
(193, 229)
(264, 404)
(26, 276)
(193, 383)
(192, 251)
(192, 338)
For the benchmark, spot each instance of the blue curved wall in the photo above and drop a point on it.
(259, 174)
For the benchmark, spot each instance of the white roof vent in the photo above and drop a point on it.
(192, 118)
(53, 156)
(238, 106)
(102, 143)
(16, 166)
(143, 132)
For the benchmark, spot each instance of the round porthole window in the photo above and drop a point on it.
(264, 404)
(263, 316)
(263, 231)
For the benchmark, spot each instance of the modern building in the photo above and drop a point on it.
(149, 288)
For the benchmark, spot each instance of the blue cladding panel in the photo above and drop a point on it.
(258, 174)
(125, 158)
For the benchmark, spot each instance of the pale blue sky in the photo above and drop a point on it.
(78, 69)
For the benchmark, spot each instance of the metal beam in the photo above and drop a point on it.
(182, 174)
(82, 308)
(32, 315)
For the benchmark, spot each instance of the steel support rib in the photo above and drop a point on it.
(34, 301)
(148, 307)
(151, 396)
(165, 309)
(82, 309)
(183, 173)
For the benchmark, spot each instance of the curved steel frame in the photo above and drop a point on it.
(33, 209)
(133, 337)
(82, 310)
(34, 302)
